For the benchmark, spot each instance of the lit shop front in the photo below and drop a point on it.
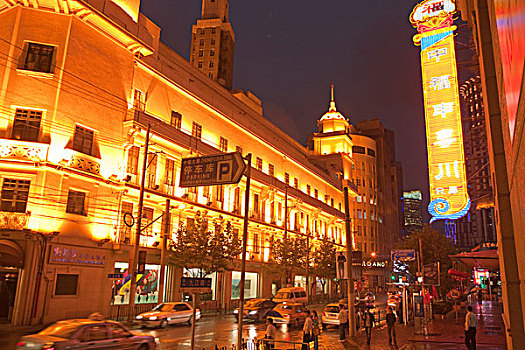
(373, 274)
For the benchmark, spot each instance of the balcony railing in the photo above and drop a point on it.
(84, 162)
(16, 149)
(13, 220)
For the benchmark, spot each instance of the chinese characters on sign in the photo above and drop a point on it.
(76, 256)
(446, 161)
(220, 169)
(195, 285)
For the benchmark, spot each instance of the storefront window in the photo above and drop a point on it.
(250, 285)
(300, 281)
(198, 274)
(147, 285)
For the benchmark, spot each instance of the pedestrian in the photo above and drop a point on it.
(316, 329)
(471, 322)
(391, 323)
(343, 321)
(341, 261)
(269, 334)
(368, 323)
(307, 331)
(480, 297)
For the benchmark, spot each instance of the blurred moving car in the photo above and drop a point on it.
(368, 297)
(165, 314)
(255, 309)
(393, 301)
(292, 314)
(292, 295)
(330, 315)
(80, 334)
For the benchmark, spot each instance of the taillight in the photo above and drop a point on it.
(324, 313)
(287, 316)
(20, 344)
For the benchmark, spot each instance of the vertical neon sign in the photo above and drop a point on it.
(446, 161)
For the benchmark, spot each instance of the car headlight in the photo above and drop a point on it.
(139, 317)
(153, 318)
(236, 311)
(254, 312)
(157, 340)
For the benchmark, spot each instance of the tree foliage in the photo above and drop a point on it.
(435, 247)
(196, 246)
(287, 255)
(324, 261)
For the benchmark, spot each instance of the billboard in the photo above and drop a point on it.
(446, 161)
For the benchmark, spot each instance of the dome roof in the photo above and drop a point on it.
(332, 113)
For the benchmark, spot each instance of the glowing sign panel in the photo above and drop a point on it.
(446, 162)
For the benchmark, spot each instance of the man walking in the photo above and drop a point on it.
(343, 322)
(471, 322)
(369, 321)
(391, 323)
(307, 331)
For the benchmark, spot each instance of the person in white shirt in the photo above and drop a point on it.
(343, 321)
(471, 322)
(308, 329)
(270, 333)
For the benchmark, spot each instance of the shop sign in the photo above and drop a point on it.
(76, 256)
(195, 285)
(373, 263)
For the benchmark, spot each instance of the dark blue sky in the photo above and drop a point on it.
(288, 51)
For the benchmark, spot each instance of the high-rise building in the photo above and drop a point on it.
(412, 212)
(213, 42)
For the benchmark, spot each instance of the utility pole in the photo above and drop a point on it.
(133, 266)
(166, 232)
(307, 266)
(285, 229)
(244, 241)
(349, 261)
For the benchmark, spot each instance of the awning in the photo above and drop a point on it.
(11, 254)
(487, 259)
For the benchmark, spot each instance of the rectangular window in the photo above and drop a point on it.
(176, 120)
(212, 41)
(219, 193)
(359, 233)
(212, 52)
(39, 58)
(76, 201)
(295, 182)
(256, 204)
(271, 170)
(199, 64)
(196, 130)
(26, 126)
(326, 198)
(14, 195)
(332, 202)
(211, 64)
(258, 163)
(210, 75)
(238, 149)
(308, 189)
(66, 284)
(279, 211)
(256, 243)
(287, 178)
(83, 140)
(133, 160)
(202, 31)
(359, 216)
(223, 146)
(358, 182)
(316, 193)
(201, 42)
(213, 30)
(151, 171)
(364, 214)
(147, 217)
(169, 176)
(139, 100)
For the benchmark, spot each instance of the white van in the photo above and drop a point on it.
(292, 295)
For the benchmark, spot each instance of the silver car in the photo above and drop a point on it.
(330, 316)
(165, 314)
(80, 334)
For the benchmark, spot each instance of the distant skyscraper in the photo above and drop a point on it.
(213, 41)
(412, 212)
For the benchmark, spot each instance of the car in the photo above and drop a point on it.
(330, 315)
(165, 314)
(80, 334)
(368, 297)
(393, 301)
(291, 294)
(256, 309)
(292, 314)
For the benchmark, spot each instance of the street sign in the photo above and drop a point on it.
(218, 169)
(454, 294)
(141, 268)
(403, 255)
(195, 285)
(115, 275)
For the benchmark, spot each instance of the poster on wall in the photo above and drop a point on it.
(147, 284)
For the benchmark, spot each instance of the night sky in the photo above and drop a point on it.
(288, 51)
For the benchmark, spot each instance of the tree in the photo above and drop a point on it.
(209, 251)
(287, 255)
(324, 262)
(435, 247)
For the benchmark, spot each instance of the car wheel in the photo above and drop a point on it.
(190, 320)
(163, 323)
(143, 347)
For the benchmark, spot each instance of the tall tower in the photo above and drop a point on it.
(213, 41)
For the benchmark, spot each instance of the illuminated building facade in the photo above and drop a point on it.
(498, 29)
(412, 212)
(213, 42)
(78, 92)
(446, 162)
(361, 153)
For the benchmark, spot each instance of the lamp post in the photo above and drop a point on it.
(349, 249)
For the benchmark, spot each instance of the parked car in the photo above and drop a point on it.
(393, 301)
(330, 315)
(292, 314)
(165, 314)
(291, 295)
(256, 309)
(80, 334)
